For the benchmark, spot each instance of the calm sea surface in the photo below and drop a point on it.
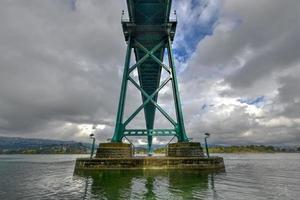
(247, 176)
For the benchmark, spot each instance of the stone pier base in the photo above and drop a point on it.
(114, 150)
(185, 149)
(184, 155)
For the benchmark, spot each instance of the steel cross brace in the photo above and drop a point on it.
(149, 54)
(150, 97)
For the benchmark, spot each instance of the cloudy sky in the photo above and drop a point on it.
(238, 65)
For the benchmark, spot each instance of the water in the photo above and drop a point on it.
(247, 176)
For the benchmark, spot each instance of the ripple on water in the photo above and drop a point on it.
(262, 176)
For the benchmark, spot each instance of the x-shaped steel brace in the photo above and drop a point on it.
(149, 54)
(152, 101)
(147, 101)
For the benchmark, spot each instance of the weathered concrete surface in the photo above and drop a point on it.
(185, 149)
(162, 162)
(114, 150)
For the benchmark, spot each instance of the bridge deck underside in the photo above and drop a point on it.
(149, 13)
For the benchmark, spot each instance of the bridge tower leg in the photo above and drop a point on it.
(119, 128)
(180, 123)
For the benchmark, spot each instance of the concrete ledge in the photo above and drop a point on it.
(162, 162)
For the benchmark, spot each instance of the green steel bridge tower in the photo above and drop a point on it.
(150, 33)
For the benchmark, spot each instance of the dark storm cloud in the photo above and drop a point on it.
(289, 96)
(58, 63)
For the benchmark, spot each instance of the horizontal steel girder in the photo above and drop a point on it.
(151, 132)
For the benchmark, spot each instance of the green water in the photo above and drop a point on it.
(148, 184)
(247, 176)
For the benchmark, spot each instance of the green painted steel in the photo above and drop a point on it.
(149, 32)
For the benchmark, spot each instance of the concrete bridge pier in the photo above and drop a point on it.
(181, 155)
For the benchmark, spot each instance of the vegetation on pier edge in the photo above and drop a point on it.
(231, 149)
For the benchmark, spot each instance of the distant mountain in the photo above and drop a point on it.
(32, 145)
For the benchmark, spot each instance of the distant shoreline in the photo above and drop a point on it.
(252, 149)
(239, 149)
(44, 154)
(140, 154)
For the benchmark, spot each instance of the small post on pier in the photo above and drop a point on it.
(205, 139)
(92, 136)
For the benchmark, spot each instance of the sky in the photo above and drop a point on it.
(237, 61)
